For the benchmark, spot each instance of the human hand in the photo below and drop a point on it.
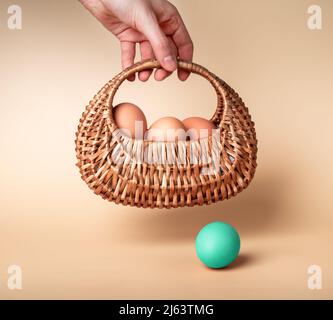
(155, 24)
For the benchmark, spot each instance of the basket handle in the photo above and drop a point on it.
(222, 104)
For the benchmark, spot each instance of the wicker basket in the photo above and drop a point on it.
(166, 174)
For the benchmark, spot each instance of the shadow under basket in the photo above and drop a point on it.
(167, 174)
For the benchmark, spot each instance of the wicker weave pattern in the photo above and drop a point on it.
(150, 182)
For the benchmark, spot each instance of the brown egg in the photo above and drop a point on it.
(130, 119)
(166, 129)
(198, 128)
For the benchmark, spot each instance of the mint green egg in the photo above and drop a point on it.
(217, 244)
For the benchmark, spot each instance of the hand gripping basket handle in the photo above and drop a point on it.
(222, 104)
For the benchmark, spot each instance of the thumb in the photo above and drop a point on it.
(159, 42)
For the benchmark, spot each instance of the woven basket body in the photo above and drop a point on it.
(164, 174)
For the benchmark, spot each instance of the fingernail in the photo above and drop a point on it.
(170, 63)
(183, 75)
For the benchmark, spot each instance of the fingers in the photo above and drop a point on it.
(184, 46)
(158, 44)
(161, 74)
(149, 26)
(127, 56)
(146, 53)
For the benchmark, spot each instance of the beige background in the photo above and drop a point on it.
(72, 244)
